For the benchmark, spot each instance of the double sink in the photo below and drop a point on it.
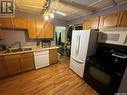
(17, 50)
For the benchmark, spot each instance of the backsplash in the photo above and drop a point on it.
(12, 36)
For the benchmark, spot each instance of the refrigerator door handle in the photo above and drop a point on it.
(77, 60)
(77, 45)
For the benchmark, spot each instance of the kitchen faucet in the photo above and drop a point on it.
(17, 42)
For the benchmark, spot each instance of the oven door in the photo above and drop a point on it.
(100, 78)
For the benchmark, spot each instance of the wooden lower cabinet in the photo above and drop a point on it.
(53, 56)
(3, 71)
(27, 62)
(16, 63)
(13, 64)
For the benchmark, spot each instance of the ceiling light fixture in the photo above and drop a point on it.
(51, 15)
(60, 13)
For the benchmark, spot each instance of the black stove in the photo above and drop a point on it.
(105, 69)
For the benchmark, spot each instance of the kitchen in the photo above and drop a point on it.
(70, 47)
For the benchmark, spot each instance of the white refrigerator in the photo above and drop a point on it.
(83, 45)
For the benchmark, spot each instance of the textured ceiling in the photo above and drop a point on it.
(73, 8)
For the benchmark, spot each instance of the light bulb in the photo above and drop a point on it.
(51, 15)
(46, 17)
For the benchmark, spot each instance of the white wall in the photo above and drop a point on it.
(11, 36)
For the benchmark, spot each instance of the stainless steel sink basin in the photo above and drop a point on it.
(17, 50)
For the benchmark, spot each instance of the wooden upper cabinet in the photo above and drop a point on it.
(27, 62)
(110, 20)
(95, 22)
(92, 23)
(87, 24)
(3, 70)
(20, 22)
(40, 28)
(31, 25)
(6, 23)
(13, 64)
(123, 19)
(48, 30)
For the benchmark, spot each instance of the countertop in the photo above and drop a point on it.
(34, 49)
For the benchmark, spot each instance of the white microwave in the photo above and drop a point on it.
(110, 37)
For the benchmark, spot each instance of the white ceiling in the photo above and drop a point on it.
(73, 8)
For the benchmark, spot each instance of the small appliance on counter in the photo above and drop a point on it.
(104, 70)
(43, 44)
(46, 44)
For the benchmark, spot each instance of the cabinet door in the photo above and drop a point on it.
(3, 70)
(48, 30)
(1, 35)
(6, 23)
(20, 22)
(123, 19)
(40, 28)
(13, 64)
(110, 20)
(53, 56)
(92, 23)
(95, 23)
(87, 24)
(27, 62)
(31, 24)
